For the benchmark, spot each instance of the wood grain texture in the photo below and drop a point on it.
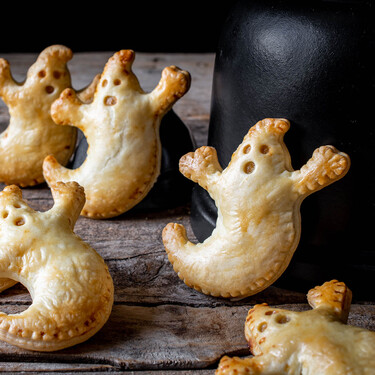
(158, 324)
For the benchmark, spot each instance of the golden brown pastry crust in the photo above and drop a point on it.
(32, 134)
(258, 198)
(121, 125)
(70, 285)
(310, 342)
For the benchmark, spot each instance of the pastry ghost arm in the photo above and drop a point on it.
(325, 166)
(67, 109)
(86, 94)
(202, 167)
(174, 83)
(8, 87)
(333, 297)
(69, 199)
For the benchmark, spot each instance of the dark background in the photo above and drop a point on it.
(185, 26)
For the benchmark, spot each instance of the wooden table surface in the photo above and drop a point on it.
(158, 324)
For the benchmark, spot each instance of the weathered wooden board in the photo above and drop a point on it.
(158, 323)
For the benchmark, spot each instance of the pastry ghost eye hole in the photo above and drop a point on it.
(16, 205)
(19, 221)
(110, 100)
(262, 327)
(104, 83)
(117, 82)
(50, 89)
(246, 149)
(249, 167)
(42, 74)
(4, 214)
(270, 312)
(264, 149)
(282, 319)
(56, 74)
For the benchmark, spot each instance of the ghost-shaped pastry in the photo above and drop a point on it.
(69, 282)
(31, 134)
(121, 126)
(258, 197)
(316, 341)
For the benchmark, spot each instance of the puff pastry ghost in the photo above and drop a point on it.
(32, 134)
(310, 342)
(70, 285)
(121, 125)
(258, 197)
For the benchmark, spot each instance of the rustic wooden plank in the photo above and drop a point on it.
(161, 337)
(84, 369)
(55, 368)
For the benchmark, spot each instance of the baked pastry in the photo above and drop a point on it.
(121, 126)
(32, 134)
(70, 285)
(309, 342)
(258, 197)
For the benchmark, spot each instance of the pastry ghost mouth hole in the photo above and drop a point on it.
(110, 100)
(19, 221)
(50, 89)
(249, 167)
(264, 149)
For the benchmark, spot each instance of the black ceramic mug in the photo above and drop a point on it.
(309, 62)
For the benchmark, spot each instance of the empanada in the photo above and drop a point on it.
(70, 285)
(32, 134)
(314, 342)
(258, 197)
(122, 130)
